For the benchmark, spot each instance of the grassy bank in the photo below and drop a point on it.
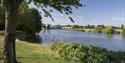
(116, 31)
(33, 53)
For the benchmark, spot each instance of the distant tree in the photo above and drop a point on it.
(58, 26)
(48, 26)
(43, 26)
(75, 26)
(122, 26)
(88, 26)
(98, 29)
(81, 27)
(101, 26)
(68, 25)
(108, 30)
(92, 27)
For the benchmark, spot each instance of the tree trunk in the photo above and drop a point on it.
(11, 10)
(9, 41)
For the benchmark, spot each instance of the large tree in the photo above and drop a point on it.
(11, 11)
(28, 20)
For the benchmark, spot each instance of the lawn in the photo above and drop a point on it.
(33, 53)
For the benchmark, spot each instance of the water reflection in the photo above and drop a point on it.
(123, 36)
(108, 36)
(47, 36)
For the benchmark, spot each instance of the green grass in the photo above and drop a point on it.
(33, 53)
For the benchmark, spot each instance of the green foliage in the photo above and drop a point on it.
(108, 30)
(98, 29)
(28, 20)
(63, 6)
(68, 51)
(59, 5)
(75, 26)
(97, 55)
(116, 57)
(87, 54)
(123, 31)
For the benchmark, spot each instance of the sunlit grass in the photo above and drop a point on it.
(33, 53)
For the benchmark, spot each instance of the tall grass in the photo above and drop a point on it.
(33, 53)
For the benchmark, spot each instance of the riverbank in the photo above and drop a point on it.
(117, 31)
(33, 53)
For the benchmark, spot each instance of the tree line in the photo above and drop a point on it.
(96, 28)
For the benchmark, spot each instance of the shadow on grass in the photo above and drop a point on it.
(1, 56)
(31, 38)
(22, 36)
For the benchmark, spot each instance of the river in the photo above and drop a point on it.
(114, 42)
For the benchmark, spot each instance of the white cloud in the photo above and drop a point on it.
(80, 17)
(118, 18)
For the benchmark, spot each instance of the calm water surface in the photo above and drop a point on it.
(115, 42)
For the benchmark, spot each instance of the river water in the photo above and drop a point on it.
(115, 42)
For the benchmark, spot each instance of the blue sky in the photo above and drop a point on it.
(96, 12)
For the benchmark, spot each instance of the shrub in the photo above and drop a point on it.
(98, 29)
(87, 54)
(96, 55)
(108, 30)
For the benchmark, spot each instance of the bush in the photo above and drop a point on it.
(108, 30)
(96, 55)
(87, 54)
(69, 51)
(98, 29)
